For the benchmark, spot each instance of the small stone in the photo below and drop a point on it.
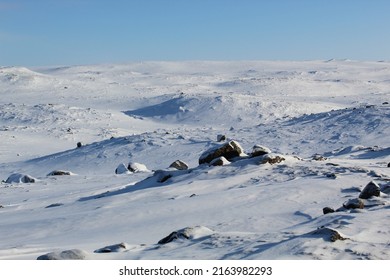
(388, 165)
(327, 210)
(221, 137)
(79, 144)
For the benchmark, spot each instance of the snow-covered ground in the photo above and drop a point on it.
(326, 124)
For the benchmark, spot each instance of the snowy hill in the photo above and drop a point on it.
(324, 125)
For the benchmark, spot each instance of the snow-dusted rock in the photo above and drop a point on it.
(220, 161)
(187, 233)
(20, 178)
(121, 169)
(73, 254)
(370, 190)
(354, 203)
(113, 248)
(259, 150)
(228, 150)
(179, 165)
(137, 167)
(328, 234)
(272, 159)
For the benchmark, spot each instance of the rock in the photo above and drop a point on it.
(74, 254)
(328, 234)
(121, 169)
(221, 137)
(173, 236)
(229, 150)
(259, 150)
(179, 165)
(319, 157)
(219, 162)
(370, 190)
(54, 205)
(137, 167)
(386, 189)
(112, 248)
(327, 210)
(388, 165)
(59, 173)
(20, 178)
(354, 203)
(271, 159)
(79, 144)
(187, 233)
(162, 175)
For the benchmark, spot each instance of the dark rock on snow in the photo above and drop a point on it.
(59, 173)
(327, 210)
(370, 190)
(179, 165)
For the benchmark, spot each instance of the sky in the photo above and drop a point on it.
(79, 32)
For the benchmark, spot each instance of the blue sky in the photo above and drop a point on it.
(69, 32)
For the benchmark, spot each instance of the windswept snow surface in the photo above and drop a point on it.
(326, 123)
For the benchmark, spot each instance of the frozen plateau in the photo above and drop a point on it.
(205, 160)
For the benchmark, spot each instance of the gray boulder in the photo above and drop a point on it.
(228, 150)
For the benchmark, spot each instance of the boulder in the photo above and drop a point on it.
(20, 178)
(220, 161)
(74, 254)
(370, 190)
(319, 157)
(388, 165)
(137, 167)
(187, 233)
(113, 248)
(59, 173)
(121, 169)
(179, 165)
(354, 203)
(228, 150)
(259, 150)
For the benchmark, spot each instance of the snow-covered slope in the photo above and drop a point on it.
(326, 124)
